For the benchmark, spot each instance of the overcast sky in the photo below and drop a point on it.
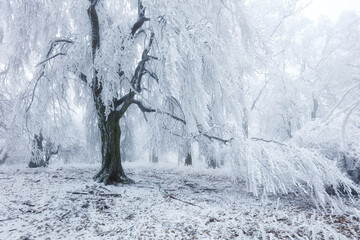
(331, 8)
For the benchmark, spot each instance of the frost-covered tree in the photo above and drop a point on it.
(143, 64)
(225, 78)
(149, 75)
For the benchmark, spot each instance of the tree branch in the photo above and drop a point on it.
(33, 93)
(138, 24)
(48, 59)
(140, 69)
(259, 95)
(141, 18)
(83, 77)
(340, 101)
(142, 107)
(268, 141)
(153, 75)
(56, 42)
(128, 100)
(211, 138)
(118, 102)
(147, 109)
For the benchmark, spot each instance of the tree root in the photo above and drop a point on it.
(112, 179)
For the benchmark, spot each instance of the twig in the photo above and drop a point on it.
(110, 194)
(79, 193)
(65, 215)
(8, 219)
(28, 204)
(100, 194)
(127, 229)
(104, 188)
(175, 198)
(178, 199)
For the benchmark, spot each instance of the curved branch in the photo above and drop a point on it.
(211, 138)
(56, 42)
(33, 93)
(48, 59)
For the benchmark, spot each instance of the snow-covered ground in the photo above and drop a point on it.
(63, 202)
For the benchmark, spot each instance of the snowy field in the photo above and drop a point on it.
(63, 202)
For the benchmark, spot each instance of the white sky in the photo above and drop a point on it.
(331, 8)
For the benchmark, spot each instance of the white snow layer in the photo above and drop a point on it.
(63, 202)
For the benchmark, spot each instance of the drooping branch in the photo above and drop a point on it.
(148, 110)
(201, 134)
(33, 92)
(151, 74)
(142, 107)
(51, 49)
(268, 141)
(211, 138)
(48, 59)
(56, 42)
(151, 110)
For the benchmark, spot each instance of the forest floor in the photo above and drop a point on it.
(63, 202)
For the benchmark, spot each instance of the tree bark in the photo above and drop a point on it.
(188, 160)
(37, 156)
(315, 109)
(111, 171)
(3, 156)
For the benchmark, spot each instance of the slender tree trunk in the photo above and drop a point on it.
(3, 155)
(153, 156)
(315, 109)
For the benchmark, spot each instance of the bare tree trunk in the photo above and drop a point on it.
(153, 156)
(315, 108)
(111, 171)
(188, 160)
(4, 155)
(37, 157)
(49, 150)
